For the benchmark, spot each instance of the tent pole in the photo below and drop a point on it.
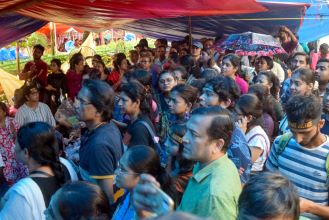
(52, 38)
(18, 68)
(190, 30)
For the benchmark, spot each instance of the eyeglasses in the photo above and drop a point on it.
(120, 170)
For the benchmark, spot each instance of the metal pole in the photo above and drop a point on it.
(52, 38)
(190, 30)
(18, 68)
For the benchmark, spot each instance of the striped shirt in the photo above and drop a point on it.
(306, 168)
(25, 114)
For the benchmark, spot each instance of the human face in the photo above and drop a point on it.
(178, 75)
(306, 137)
(145, 63)
(228, 69)
(298, 61)
(124, 176)
(87, 111)
(37, 54)
(94, 62)
(79, 67)
(171, 146)
(161, 53)
(100, 68)
(298, 86)
(124, 65)
(263, 80)
(208, 44)
(133, 57)
(177, 105)
(261, 65)
(197, 145)
(195, 51)
(33, 96)
(54, 68)
(167, 82)
(209, 97)
(126, 105)
(322, 72)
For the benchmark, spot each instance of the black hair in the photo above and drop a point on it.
(226, 89)
(101, 96)
(142, 76)
(75, 60)
(306, 75)
(58, 63)
(209, 73)
(144, 159)
(186, 92)
(272, 78)
(323, 60)
(136, 91)
(235, 61)
(263, 94)
(106, 71)
(40, 47)
(267, 196)
(82, 200)
(40, 141)
(188, 62)
(118, 58)
(4, 108)
(303, 108)
(183, 71)
(98, 57)
(27, 89)
(221, 126)
(268, 60)
(249, 104)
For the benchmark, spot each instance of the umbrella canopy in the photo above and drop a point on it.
(251, 44)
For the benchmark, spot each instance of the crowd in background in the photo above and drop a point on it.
(179, 131)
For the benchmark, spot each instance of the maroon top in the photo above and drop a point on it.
(74, 81)
(41, 72)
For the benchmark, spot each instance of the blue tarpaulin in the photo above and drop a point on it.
(316, 20)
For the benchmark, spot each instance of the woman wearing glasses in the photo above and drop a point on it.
(135, 161)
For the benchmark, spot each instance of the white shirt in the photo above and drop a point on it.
(42, 112)
(257, 137)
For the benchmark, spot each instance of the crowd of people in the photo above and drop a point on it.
(173, 132)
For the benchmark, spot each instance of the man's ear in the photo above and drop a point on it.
(219, 144)
(321, 123)
(226, 104)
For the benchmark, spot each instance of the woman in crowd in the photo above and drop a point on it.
(179, 168)
(182, 98)
(231, 68)
(167, 81)
(135, 103)
(103, 71)
(120, 64)
(57, 85)
(74, 75)
(249, 112)
(13, 170)
(36, 147)
(270, 122)
(134, 162)
(78, 200)
(269, 80)
(263, 63)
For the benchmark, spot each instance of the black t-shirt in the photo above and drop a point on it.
(100, 151)
(48, 187)
(139, 135)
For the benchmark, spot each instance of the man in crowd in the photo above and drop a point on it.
(33, 110)
(322, 54)
(36, 69)
(196, 50)
(302, 155)
(101, 145)
(322, 75)
(214, 188)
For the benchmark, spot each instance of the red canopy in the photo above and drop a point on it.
(103, 14)
(60, 29)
